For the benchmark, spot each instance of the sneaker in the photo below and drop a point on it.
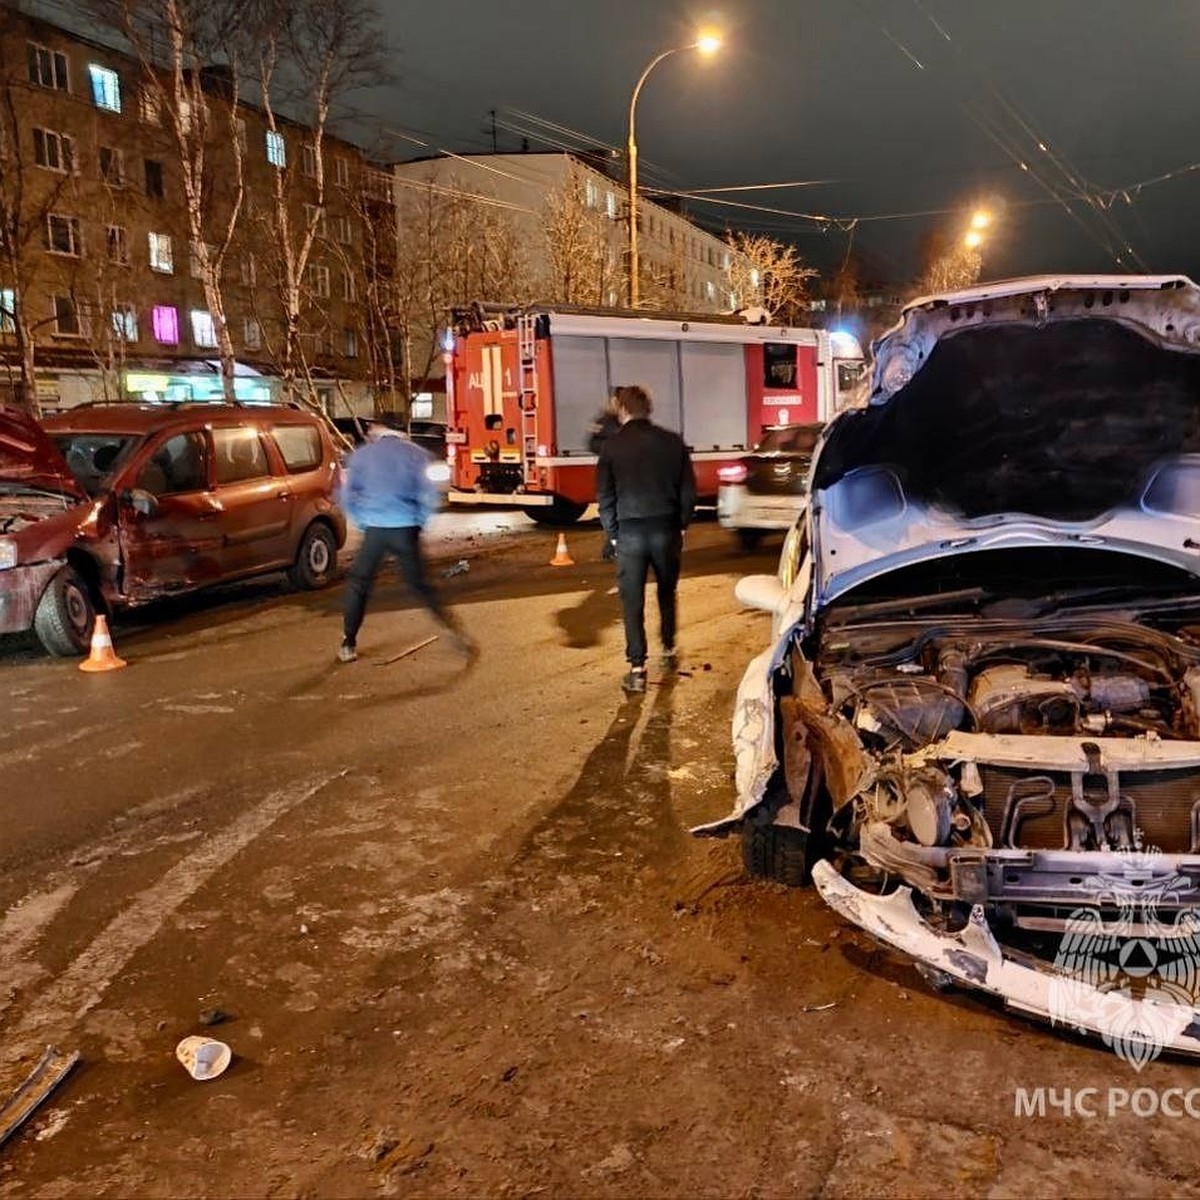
(346, 653)
(670, 659)
(634, 681)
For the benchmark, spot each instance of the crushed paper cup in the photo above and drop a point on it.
(203, 1058)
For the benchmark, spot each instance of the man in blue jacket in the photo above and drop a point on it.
(386, 491)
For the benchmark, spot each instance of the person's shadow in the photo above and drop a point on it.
(582, 622)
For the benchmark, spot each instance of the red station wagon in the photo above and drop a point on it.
(110, 506)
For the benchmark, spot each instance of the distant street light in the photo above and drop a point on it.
(981, 218)
(707, 44)
(973, 239)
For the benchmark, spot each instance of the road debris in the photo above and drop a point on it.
(459, 568)
(807, 1008)
(387, 662)
(213, 1016)
(53, 1067)
(203, 1058)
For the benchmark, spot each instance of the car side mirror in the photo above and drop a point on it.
(140, 501)
(763, 592)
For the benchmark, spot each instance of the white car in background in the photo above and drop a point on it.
(977, 728)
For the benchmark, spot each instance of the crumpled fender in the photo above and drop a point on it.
(974, 959)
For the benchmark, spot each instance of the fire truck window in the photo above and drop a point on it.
(779, 365)
(493, 420)
(510, 436)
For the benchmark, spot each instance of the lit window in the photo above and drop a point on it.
(350, 343)
(318, 280)
(591, 195)
(276, 149)
(106, 88)
(117, 242)
(160, 254)
(112, 166)
(8, 310)
(66, 317)
(62, 235)
(204, 333)
(308, 160)
(166, 324)
(349, 286)
(124, 323)
(48, 68)
(251, 334)
(55, 151)
(610, 205)
(341, 172)
(710, 290)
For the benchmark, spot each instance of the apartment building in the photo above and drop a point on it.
(683, 266)
(100, 270)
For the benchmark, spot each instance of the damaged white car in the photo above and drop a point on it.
(978, 728)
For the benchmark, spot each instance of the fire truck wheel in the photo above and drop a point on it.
(557, 515)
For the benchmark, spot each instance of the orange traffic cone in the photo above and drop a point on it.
(561, 556)
(103, 657)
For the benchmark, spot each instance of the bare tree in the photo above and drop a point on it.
(311, 54)
(32, 221)
(769, 274)
(191, 58)
(958, 267)
(585, 263)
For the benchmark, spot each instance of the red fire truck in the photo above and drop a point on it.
(523, 386)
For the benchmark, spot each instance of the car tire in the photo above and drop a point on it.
(65, 615)
(559, 515)
(778, 853)
(749, 539)
(316, 559)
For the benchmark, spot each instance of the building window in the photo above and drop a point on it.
(117, 241)
(66, 317)
(591, 194)
(350, 343)
(349, 287)
(125, 324)
(710, 290)
(62, 235)
(106, 88)
(276, 149)
(318, 280)
(154, 179)
(54, 151)
(8, 310)
(165, 320)
(247, 270)
(610, 205)
(343, 230)
(314, 218)
(251, 334)
(161, 259)
(341, 172)
(308, 160)
(241, 133)
(204, 333)
(112, 166)
(48, 68)
(195, 265)
(149, 107)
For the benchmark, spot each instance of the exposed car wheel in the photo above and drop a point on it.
(316, 558)
(65, 615)
(561, 513)
(778, 853)
(749, 539)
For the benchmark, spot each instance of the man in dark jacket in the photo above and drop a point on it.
(646, 489)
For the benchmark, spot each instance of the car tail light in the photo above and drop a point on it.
(732, 474)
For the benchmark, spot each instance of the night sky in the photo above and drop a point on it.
(830, 90)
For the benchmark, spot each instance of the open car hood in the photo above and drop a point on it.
(1060, 412)
(30, 458)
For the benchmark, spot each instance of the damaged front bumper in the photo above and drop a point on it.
(1070, 994)
(21, 590)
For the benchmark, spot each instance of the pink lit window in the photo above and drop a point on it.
(166, 325)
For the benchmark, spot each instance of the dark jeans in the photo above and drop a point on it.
(378, 542)
(643, 546)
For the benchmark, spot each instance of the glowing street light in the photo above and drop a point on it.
(980, 219)
(973, 239)
(707, 44)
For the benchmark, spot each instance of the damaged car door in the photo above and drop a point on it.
(169, 519)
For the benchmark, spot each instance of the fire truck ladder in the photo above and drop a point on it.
(527, 350)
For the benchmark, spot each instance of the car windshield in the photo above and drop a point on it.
(789, 439)
(92, 457)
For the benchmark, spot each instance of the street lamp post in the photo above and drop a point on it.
(707, 44)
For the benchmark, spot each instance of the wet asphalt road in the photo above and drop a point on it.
(461, 937)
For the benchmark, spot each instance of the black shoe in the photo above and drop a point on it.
(634, 681)
(346, 653)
